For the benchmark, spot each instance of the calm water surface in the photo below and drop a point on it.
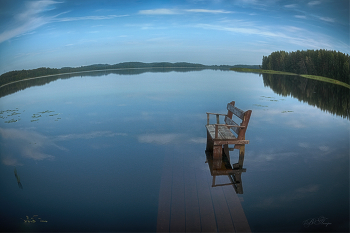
(90, 152)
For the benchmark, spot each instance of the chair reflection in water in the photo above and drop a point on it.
(219, 136)
(222, 167)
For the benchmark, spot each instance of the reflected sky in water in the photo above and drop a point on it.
(90, 150)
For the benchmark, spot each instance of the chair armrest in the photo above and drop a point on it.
(216, 113)
(217, 116)
(237, 126)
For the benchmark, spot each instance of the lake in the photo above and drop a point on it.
(126, 152)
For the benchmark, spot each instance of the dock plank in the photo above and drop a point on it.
(188, 203)
(193, 223)
(222, 212)
(206, 209)
(163, 219)
(239, 218)
(177, 212)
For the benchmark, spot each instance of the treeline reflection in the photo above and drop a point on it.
(11, 88)
(328, 97)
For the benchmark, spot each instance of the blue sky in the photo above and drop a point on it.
(58, 33)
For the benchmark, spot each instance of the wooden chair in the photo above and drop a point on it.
(225, 133)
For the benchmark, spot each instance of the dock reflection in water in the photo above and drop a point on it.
(222, 167)
(191, 201)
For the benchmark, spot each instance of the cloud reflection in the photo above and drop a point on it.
(89, 135)
(280, 201)
(27, 144)
(163, 139)
(199, 140)
(16, 143)
(159, 138)
(9, 161)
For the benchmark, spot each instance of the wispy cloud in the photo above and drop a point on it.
(300, 16)
(29, 143)
(314, 3)
(290, 6)
(298, 194)
(209, 11)
(302, 38)
(10, 161)
(324, 148)
(198, 140)
(88, 18)
(35, 15)
(243, 30)
(89, 135)
(165, 11)
(160, 12)
(327, 19)
(303, 145)
(158, 138)
(29, 19)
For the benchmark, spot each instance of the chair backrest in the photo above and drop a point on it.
(243, 115)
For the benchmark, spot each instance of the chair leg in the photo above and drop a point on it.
(217, 163)
(217, 151)
(241, 156)
(210, 143)
(213, 182)
(227, 151)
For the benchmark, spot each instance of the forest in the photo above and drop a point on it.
(18, 75)
(326, 63)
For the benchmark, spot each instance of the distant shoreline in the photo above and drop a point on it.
(21, 75)
(87, 71)
(315, 77)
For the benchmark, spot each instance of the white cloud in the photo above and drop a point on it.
(296, 124)
(209, 11)
(303, 145)
(307, 189)
(290, 6)
(32, 153)
(298, 194)
(300, 16)
(243, 30)
(88, 18)
(324, 148)
(282, 34)
(198, 140)
(9, 161)
(165, 11)
(29, 25)
(159, 12)
(29, 19)
(29, 144)
(314, 3)
(158, 138)
(265, 157)
(90, 135)
(32, 17)
(327, 19)
(36, 7)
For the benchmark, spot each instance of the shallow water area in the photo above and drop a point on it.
(98, 153)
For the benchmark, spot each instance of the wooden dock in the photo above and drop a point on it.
(188, 202)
